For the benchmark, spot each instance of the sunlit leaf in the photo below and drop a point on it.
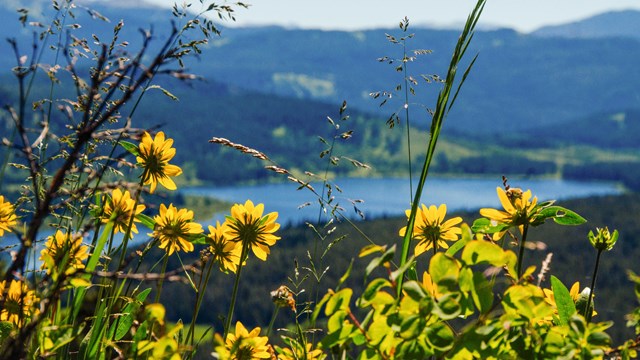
(564, 302)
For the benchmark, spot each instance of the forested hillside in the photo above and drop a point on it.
(573, 260)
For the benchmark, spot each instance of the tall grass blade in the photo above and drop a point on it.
(443, 106)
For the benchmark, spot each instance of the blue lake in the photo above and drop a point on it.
(391, 196)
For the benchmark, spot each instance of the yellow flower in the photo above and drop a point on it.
(431, 230)
(18, 305)
(296, 352)
(122, 205)
(430, 286)
(225, 252)
(7, 216)
(518, 206)
(174, 228)
(245, 345)
(154, 157)
(64, 251)
(247, 225)
(165, 347)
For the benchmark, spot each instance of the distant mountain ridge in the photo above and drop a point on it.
(611, 24)
(519, 82)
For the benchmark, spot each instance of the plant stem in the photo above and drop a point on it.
(234, 294)
(201, 291)
(445, 101)
(162, 272)
(273, 320)
(406, 112)
(521, 252)
(587, 314)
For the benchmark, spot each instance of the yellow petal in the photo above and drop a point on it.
(442, 212)
(260, 252)
(504, 200)
(421, 247)
(451, 222)
(494, 214)
(167, 182)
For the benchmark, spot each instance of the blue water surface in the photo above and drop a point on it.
(391, 196)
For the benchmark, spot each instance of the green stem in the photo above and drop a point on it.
(521, 252)
(161, 281)
(127, 234)
(587, 314)
(234, 294)
(273, 320)
(445, 101)
(406, 111)
(202, 286)
(159, 289)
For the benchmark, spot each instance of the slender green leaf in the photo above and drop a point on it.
(560, 215)
(564, 302)
(147, 221)
(130, 147)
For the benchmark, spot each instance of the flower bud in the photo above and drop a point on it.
(603, 239)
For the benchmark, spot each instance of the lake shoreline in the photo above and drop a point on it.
(389, 197)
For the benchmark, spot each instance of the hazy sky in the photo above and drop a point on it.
(522, 15)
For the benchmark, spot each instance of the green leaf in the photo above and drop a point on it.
(481, 225)
(560, 215)
(345, 276)
(482, 293)
(318, 307)
(414, 290)
(443, 268)
(129, 313)
(484, 226)
(124, 325)
(338, 337)
(448, 306)
(564, 302)
(339, 301)
(5, 329)
(147, 221)
(199, 239)
(336, 321)
(90, 266)
(130, 147)
(599, 339)
(371, 249)
(142, 296)
(440, 336)
(402, 269)
(373, 289)
(80, 282)
(368, 354)
(464, 239)
(411, 326)
(480, 251)
(386, 257)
